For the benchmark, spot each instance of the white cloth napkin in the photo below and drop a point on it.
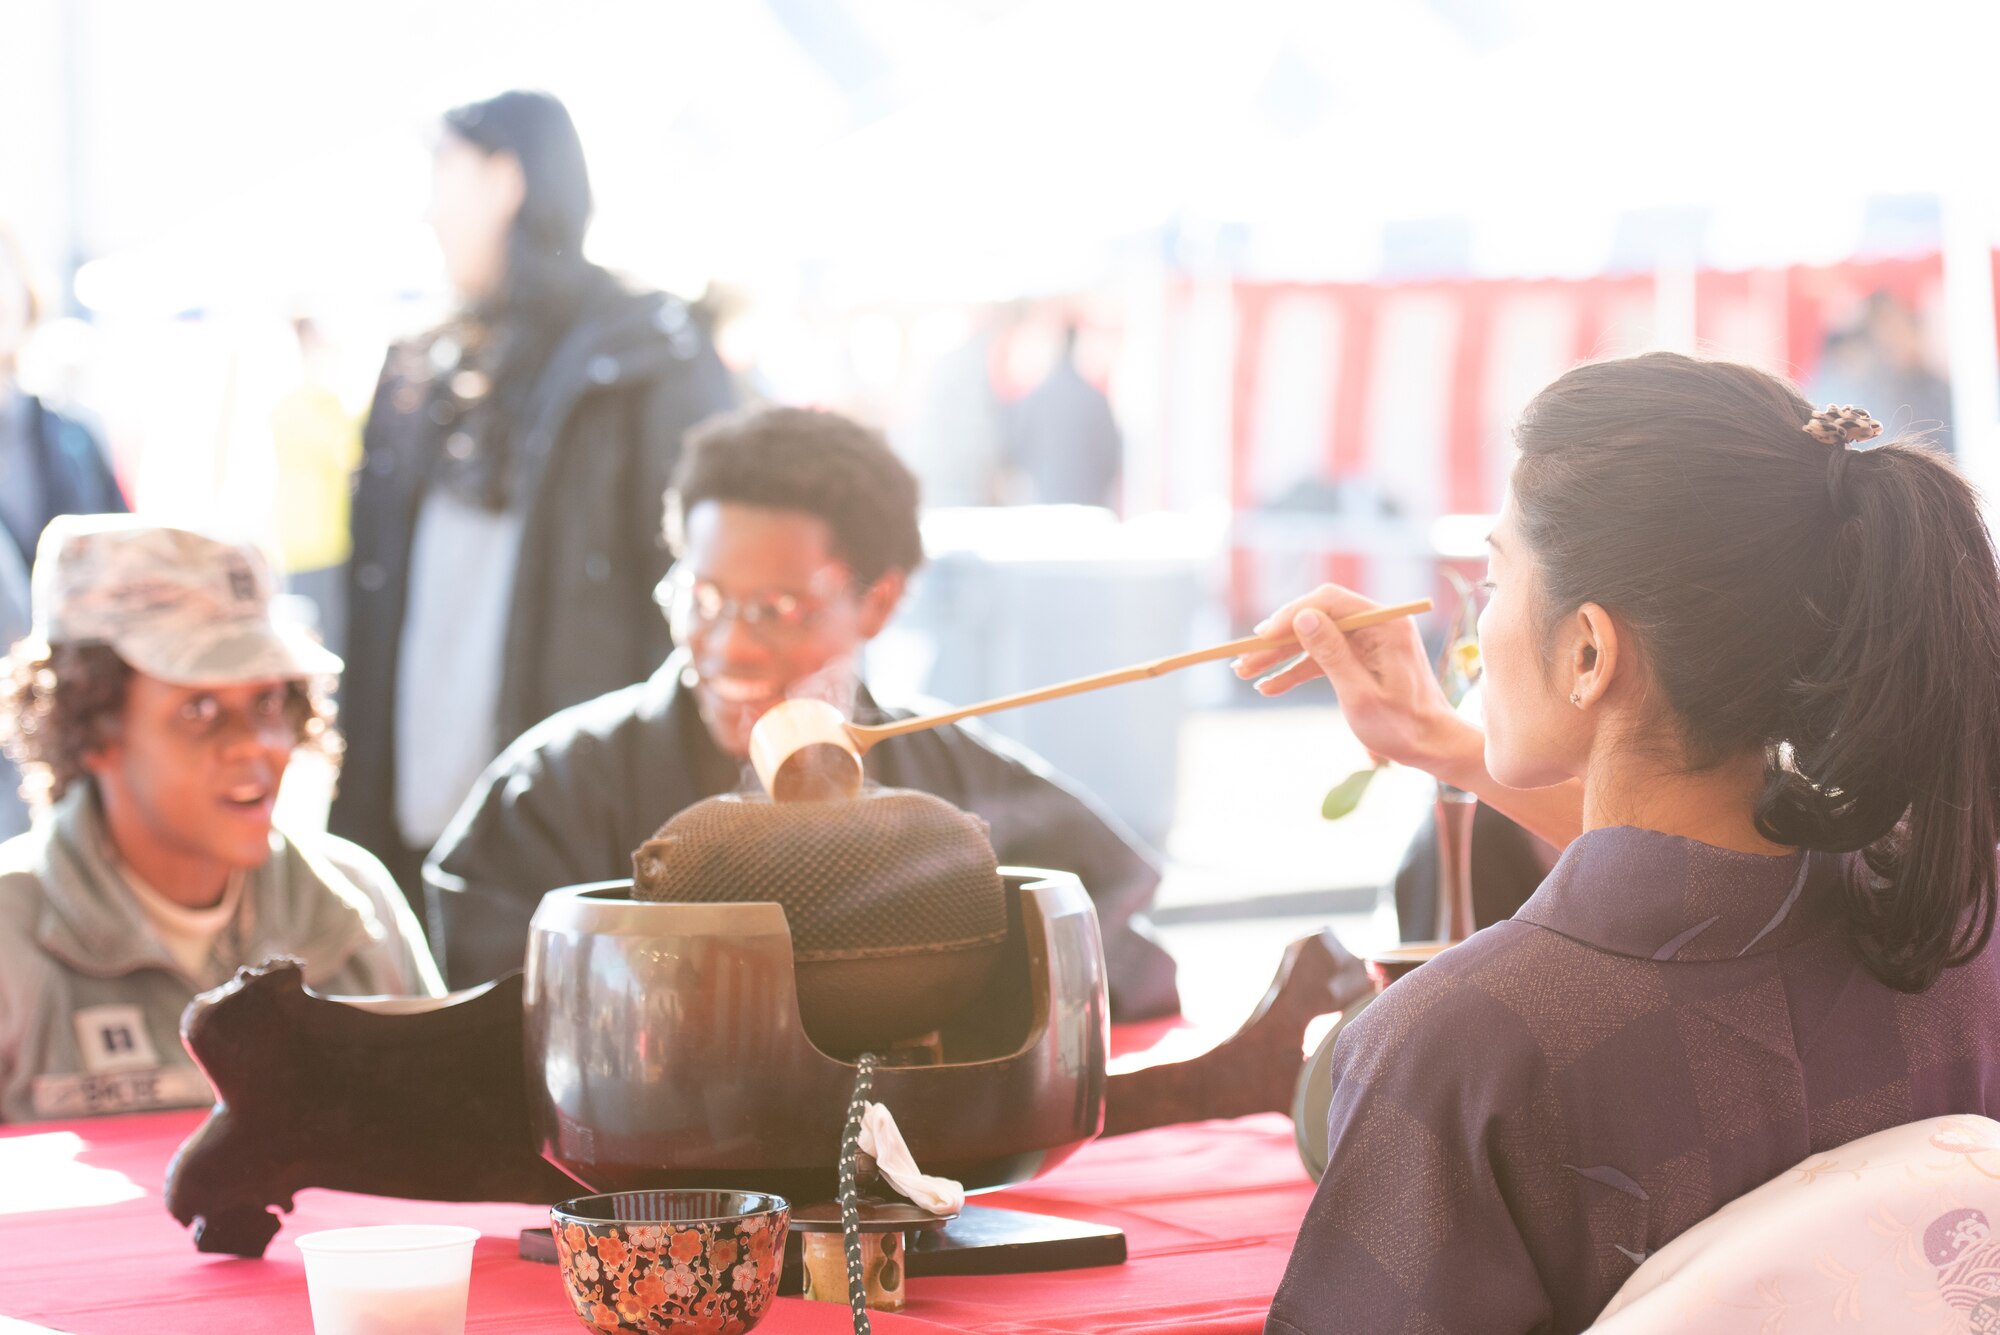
(883, 1142)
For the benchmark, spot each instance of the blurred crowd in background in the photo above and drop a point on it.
(1173, 310)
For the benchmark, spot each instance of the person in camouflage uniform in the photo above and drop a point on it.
(154, 708)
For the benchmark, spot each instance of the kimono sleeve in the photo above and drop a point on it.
(1410, 1229)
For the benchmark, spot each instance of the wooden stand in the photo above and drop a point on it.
(1257, 1068)
(979, 1240)
(988, 1241)
(424, 1100)
(428, 1104)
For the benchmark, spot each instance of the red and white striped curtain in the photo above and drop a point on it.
(1410, 392)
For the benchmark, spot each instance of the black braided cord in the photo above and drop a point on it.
(850, 1196)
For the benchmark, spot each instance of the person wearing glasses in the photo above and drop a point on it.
(795, 534)
(154, 708)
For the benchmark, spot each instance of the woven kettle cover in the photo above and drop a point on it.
(888, 873)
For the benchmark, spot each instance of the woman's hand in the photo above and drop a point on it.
(1387, 690)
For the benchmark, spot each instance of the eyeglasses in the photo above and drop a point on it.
(775, 618)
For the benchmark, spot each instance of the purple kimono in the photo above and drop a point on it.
(1662, 1027)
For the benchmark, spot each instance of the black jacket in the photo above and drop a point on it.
(572, 798)
(75, 480)
(70, 465)
(601, 436)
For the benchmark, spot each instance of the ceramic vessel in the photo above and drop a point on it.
(671, 1262)
(1313, 1100)
(1385, 966)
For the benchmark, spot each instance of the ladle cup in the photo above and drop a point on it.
(803, 750)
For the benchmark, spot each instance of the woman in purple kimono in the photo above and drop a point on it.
(1748, 674)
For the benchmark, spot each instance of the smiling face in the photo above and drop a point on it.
(190, 780)
(767, 611)
(1533, 733)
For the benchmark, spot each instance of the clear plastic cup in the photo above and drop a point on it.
(389, 1279)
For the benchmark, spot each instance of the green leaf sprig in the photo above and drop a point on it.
(1458, 669)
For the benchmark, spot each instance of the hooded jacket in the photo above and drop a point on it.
(91, 1001)
(599, 440)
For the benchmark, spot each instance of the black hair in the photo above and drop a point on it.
(1836, 609)
(809, 460)
(61, 702)
(545, 242)
(509, 335)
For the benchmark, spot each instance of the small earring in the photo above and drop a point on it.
(1576, 698)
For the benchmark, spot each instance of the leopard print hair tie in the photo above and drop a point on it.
(1841, 427)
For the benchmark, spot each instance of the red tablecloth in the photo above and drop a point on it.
(1209, 1211)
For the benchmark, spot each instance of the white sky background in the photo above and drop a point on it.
(245, 146)
(254, 159)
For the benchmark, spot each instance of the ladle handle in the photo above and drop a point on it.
(865, 737)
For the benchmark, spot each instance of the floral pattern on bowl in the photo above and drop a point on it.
(671, 1262)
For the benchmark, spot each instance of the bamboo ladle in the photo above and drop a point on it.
(803, 750)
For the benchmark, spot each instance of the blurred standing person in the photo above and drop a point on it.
(1881, 359)
(505, 521)
(49, 465)
(1063, 443)
(957, 440)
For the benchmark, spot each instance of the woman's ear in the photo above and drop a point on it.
(1596, 654)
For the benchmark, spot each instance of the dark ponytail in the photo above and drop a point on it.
(1838, 611)
(1895, 732)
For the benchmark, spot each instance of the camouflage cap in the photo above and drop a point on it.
(175, 604)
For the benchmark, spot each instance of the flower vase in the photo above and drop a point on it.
(1455, 808)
